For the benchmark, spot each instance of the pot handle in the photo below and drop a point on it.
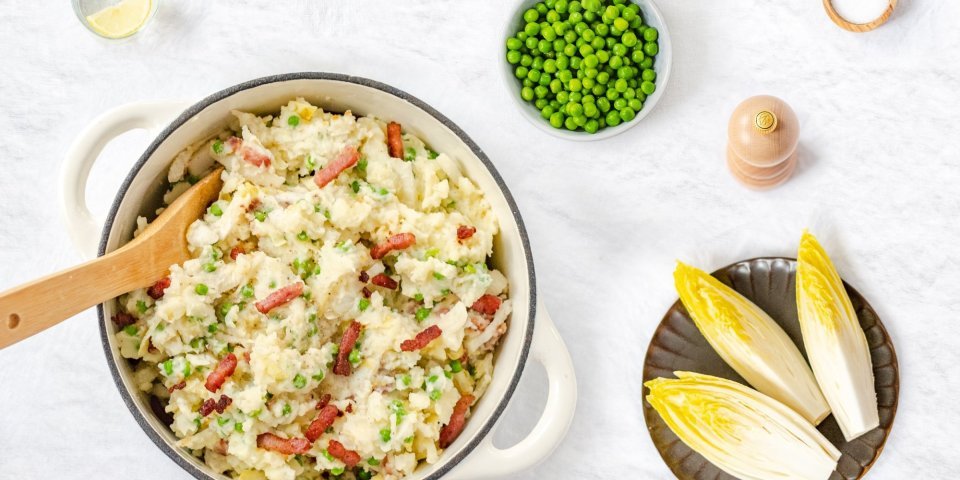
(488, 461)
(82, 227)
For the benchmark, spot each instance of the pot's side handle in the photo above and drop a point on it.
(488, 461)
(83, 228)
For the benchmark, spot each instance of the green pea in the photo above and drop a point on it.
(635, 104)
(533, 75)
(620, 85)
(556, 85)
(575, 96)
(611, 12)
(627, 114)
(541, 8)
(587, 82)
(514, 43)
(637, 55)
(527, 82)
(591, 126)
(648, 75)
(561, 6)
(215, 209)
(521, 72)
(620, 24)
(587, 99)
(648, 88)
(603, 104)
(628, 14)
(589, 16)
(585, 50)
(580, 27)
(575, 62)
(603, 122)
(651, 49)
(521, 36)
(556, 120)
(651, 34)
(629, 39)
(532, 29)
(603, 78)
(598, 90)
(620, 104)
(201, 289)
(526, 93)
(602, 29)
(531, 15)
(513, 57)
(611, 41)
(563, 62)
(531, 43)
(558, 45)
(615, 62)
(613, 118)
(590, 110)
(575, 6)
(646, 63)
(591, 61)
(642, 96)
(540, 103)
(553, 16)
(540, 91)
(630, 93)
(545, 79)
(526, 60)
(560, 27)
(598, 43)
(570, 50)
(544, 46)
(548, 33)
(588, 35)
(619, 49)
(570, 123)
(563, 97)
(573, 109)
(612, 94)
(565, 75)
(546, 112)
(580, 120)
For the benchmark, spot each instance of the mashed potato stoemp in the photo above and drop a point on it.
(338, 318)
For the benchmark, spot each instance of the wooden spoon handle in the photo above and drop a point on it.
(858, 27)
(31, 308)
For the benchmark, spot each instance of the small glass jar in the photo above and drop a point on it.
(87, 10)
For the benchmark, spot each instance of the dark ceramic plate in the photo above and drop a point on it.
(770, 283)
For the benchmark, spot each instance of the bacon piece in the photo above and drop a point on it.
(349, 458)
(394, 140)
(366, 292)
(179, 386)
(280, 297)
(209, 405)
(458, 419)
(422, 339)
(123, 319)
(464, 232)
(395, 242)
(364, 277)
(349, 408)
(246, 356)
(350, 336)
(221, 372)
(221, 447)
(253, 204)
(157, 289)
(223, 403)
(254, 154)
(324, 400)
(347, 158)
(234, 143)
(382, 280)
(487, 304)
(323, 421)
(286, 446)
(236, 252)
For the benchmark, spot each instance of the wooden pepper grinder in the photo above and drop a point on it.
(762, 141)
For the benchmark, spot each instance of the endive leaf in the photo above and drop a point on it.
(750, 342)
(835, 343)
(743, 432)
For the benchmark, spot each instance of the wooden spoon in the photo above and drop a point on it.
(41, 304)
(858, 27)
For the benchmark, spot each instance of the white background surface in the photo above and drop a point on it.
(878, 182)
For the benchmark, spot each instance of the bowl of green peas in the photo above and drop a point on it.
(586, 69)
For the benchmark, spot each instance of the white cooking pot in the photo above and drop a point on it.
(530, 333)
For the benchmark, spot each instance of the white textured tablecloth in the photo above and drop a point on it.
(878, 181)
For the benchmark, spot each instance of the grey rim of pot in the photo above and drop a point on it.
(189, 113)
